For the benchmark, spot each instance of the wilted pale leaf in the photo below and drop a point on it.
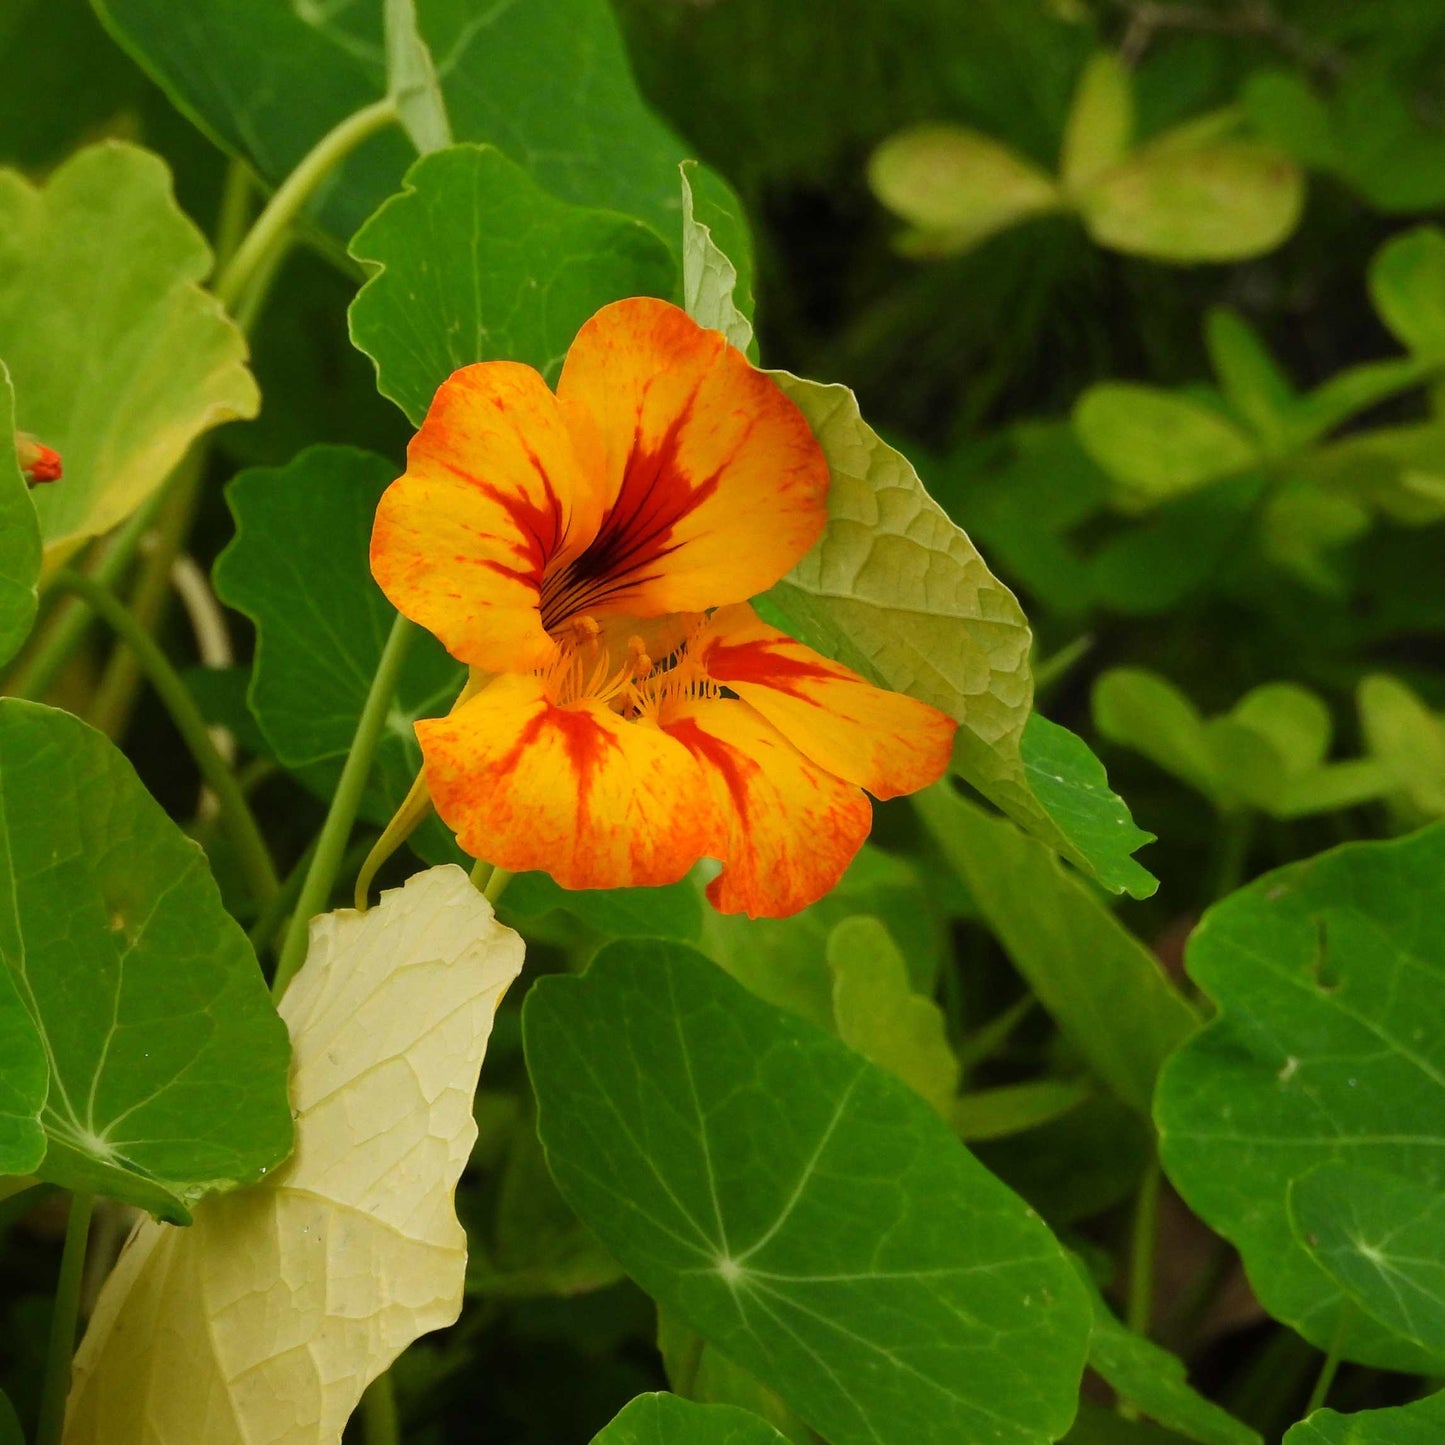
(119, 359)
(1193, 195)
(956, 187)
(263, 1322)
(19, 536)
(1101, 121)
(1157, 444)
(709, 278)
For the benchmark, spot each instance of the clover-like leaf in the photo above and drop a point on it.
(298, 569)
(167, 1062)
(1196, 193)
(668, 1420)
(1407, 285)
(804, 1211)
(354, 1244)
(1419, 1424)
(549, 85)
(19, 536)
(1103, 987)
(1328, 1048)
(956, 187)
(478, 262)
(119, 358)
(1157, 445)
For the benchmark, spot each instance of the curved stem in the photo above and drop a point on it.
(250, 847)
(272, 224)
(345, 802)
(63, 1321)
(379, 1420)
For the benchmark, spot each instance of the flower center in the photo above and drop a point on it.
(589, 667)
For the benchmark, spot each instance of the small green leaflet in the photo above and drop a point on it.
(807, 1213)
(167, 1061)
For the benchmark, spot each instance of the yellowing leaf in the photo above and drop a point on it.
(956, 187)
(119, 359)
(1101, 121)
(262, 1323)
(709, 278)
(1193, 196)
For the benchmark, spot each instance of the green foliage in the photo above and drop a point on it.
(1325, 975)
(451, 290)
(19, 538)
(119, 359)
(810, 1240)
(667, 1420)
(1417, 1424)
(167, 1063)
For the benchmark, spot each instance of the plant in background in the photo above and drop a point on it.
(719, 1103)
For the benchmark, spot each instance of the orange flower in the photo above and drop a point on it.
(590, 555)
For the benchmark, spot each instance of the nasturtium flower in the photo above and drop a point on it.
(590, 555)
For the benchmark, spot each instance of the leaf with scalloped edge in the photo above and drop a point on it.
(267, 1318)
(119, 358)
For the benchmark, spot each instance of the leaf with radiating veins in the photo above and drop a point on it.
(264, 1321)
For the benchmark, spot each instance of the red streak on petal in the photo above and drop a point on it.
(584, 741)
(726, 760)
(758, 662)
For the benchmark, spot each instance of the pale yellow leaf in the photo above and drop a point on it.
(1101, 121)
(262, 1323)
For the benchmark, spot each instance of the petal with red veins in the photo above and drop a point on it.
(577, 791)
(785, 828)
(884, 741)
(715, 485)
(500, 484)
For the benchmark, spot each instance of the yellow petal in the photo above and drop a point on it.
(263, 1322)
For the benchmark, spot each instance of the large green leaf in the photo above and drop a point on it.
(897, 591)
(1104, 988)
(24, 1081)
(19, 535)
(119, 359)
(807, 1213)
(1419, 1424)
(478, 262)
(167, 1060)
(298, 569)
(548, 84)
(1329, 1047)
(668, 1420)
(1381, 1238)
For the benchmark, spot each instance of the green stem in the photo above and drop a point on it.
(336, 830)
(497, 884)
(234, 213)
(1328, 1370)
(265, 928)
(1231, 853)
(1142, 1249)
(245, 835)
(272, 224)
(63, 1320)
(380, 1422)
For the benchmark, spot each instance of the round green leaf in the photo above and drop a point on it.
(1407, 285)
(1156, 444)
(167, 1060)
(668, 1420)
(119, 359)
(1419, 1424)
(956, 187)
(807, 1213)
(24, 1080)
(478, 262)
(1329, 1047)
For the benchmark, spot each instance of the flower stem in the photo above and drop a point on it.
(1141, 1259)
(250, 847)
(269, 230)
(379, 1420)
(497, 884)
(331, 845)
(63, 1321)
(1331, 1365)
